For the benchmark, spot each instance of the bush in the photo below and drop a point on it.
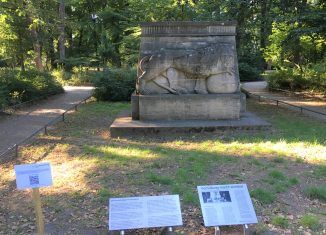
(115, 84)
(312, 77)
(248, 72)
(77, 77)
(287, 79)
(19, 86)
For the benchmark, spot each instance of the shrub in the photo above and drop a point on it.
(115, 84)
(248, 72)
(77, 77)
(19, 86)
(285, 79)
(312, 77)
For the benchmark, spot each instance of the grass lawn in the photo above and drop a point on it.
(284, 168)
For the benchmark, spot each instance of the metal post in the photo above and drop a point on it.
(76, 107)
(45, 129)
(63, 117)
(259, 98)
(276, 102)
(301, 109)
(122, 232)
(16, 150)
(170, 229)
(245, 229)
(217, 230)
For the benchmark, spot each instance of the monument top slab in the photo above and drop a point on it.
(179, 29)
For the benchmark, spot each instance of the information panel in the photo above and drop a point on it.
(144, 212)
(33, 175)
(226, 205)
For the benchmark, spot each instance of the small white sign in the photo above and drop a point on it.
(226, 205)
(144, 212)
(33, 175)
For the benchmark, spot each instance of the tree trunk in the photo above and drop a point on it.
(36, 41)
(266, 23)
(37, 50)
(52, 54)
(62, 30)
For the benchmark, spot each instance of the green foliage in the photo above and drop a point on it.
(19, 86)
(312, 78)
(314, 192)
(262, 195)
(248, 72)
(310, 221)
(276, 175)
(159, 179)
(320, 171)
(115, 84)
(280, 221)
(290, 36)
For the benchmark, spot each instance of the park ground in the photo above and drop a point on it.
(284, 168)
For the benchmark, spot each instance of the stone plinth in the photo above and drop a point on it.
(186, 107)
(125, 126)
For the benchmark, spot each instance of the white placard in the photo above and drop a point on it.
(33, 175)
(144, 212)
(226, 205)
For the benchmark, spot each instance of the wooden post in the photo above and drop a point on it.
(38, 211)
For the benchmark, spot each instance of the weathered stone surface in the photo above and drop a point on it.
(125, 126)
(188, 106)
(188, 57)
(187, 71)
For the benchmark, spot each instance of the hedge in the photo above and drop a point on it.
(20, 86)
(115, 84)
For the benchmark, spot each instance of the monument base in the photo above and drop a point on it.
(186, 107)
(124, 126)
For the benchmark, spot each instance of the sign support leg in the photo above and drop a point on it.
(217, 230)
(38, 210)
(122, 232)
(245, 229)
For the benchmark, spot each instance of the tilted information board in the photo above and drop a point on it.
(33, 175)
(144, 212)
(226, 205)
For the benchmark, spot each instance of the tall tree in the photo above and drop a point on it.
(61, 28)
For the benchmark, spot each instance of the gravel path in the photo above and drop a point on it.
(259, 88)
(24, 122)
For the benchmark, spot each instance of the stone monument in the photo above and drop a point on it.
(187, 81)
(187, 71)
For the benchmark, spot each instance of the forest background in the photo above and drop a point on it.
(97, 42)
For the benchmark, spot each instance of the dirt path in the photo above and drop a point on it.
(18, 126)
(259, 88)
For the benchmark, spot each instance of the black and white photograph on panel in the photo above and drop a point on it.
(216, 196)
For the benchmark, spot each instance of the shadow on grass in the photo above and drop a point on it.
(276, 165)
